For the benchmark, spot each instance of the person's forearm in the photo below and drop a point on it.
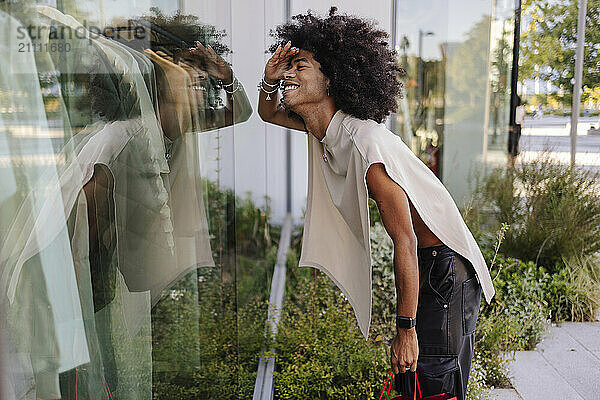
(267, 108)
(406, 272)
(238, 105)
(237, 110)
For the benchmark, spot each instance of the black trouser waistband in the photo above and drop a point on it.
(426, 253)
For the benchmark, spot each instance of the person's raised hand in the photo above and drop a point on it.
(279, 61)
(211, 62)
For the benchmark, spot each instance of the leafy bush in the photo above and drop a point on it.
(521, 297)
(205, 344)
(553, 211)
(208, 330)
(321, 353)
(514, 320)
(574, 293)
(554, 216)
(527, 297)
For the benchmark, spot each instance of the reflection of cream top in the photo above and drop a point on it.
(336, 227)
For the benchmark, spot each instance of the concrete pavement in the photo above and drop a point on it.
(564, 366)
(504, 394)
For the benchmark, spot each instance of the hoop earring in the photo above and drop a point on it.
(327, 90)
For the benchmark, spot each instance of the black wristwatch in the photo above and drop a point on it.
(405, 322)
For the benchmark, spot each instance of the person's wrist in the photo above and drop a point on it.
(270, 80)
(227, 77)
(405, 322)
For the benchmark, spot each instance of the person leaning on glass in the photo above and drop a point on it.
(338, 81)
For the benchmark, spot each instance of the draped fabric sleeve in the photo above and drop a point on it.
(431, 199)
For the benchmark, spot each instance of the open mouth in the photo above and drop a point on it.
(288, 87)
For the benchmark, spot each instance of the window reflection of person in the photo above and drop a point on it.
(190, 78)
(183, 108)
(181, 92)
(186, 101)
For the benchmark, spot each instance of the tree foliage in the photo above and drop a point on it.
(549, 42)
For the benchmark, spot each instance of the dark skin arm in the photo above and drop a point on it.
(217, 67)
(395, 210)
(269, 110)
(98, 192)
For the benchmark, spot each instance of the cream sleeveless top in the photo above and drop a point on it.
(336, 227)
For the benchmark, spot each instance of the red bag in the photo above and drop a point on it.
(443, 396)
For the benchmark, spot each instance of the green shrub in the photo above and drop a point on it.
(521, 296)
(526, 298)
(574, 292)
(205, 344)
(208, 330)
(515, 319)
(553, 211)
(321, 353)
(554, 217)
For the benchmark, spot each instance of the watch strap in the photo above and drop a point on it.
(405, 322)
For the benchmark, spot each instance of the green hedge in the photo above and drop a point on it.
(540, 212)
(321, 353)
(208, 330)
(553, 212)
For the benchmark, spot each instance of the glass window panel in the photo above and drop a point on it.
(141, 198)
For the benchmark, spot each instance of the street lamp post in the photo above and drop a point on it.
(578, 75)
(513, 138)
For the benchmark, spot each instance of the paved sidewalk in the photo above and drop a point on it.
(564, 366)
(505, 394)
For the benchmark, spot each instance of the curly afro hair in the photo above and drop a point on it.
(354, 55)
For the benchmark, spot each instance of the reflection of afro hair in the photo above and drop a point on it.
(354, 55)
(188, 28)
(182, 30)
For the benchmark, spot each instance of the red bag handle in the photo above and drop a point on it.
(389, 380)
(418, 387)
(106, 388)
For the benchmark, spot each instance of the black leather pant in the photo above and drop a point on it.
(449, 299)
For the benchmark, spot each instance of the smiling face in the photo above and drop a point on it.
(304, 85)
